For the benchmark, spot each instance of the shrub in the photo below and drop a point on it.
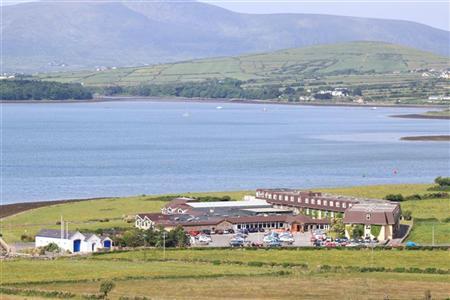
(106, 287)
(407, 215)
(26, 238)
(395, 197)
(443, 182)
(255, 263)
(52, 247)
(358, 231)
(375, 230)
(216, 262)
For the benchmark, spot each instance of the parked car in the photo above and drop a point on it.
(318, 243)
(243, 231)
(287, 239)
(330, 244)
(194, 233)
(236, 243)
(274, 243)
(261, 230)
(411, 244)
(218, 231)
(206, 231)
(204, 239)
(253, 230)
(269, 238)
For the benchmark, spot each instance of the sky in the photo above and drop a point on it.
(434, 13)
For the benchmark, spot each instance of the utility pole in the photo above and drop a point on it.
(164, 245)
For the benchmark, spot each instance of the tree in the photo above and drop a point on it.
(358, 231)
(443, 182)
(395, 197)
(357, 91)
(338, 227)
(106, 287)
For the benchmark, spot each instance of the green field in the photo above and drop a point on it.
(383, 71)
(313, 258)
(183, 277)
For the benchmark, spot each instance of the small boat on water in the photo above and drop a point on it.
(219, 107)
(374, 108)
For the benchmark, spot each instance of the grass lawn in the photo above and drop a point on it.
(313, 258)
(28, 271)
(296, 286)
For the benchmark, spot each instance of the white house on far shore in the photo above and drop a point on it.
(74, 242)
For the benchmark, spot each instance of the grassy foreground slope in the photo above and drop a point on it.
(184, 277)
(274, 67)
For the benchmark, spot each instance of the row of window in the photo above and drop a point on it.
(261, 225)
(313, 201)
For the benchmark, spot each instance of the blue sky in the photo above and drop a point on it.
(433, 13)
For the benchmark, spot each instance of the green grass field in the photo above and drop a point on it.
(182, 277)
(313, 258)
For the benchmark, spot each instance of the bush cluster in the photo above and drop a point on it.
(39, 90)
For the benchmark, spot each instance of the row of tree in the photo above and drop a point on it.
(42, 90)
(153, 238)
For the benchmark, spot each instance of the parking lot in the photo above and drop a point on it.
(223, 240)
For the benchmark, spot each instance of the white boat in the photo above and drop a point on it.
(219, 107)
(374, 108)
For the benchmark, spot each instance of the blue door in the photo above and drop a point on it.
(76, 245)
(107, 244)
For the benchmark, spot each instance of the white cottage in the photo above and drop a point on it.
(72, 241)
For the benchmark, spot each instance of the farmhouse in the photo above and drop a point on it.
(74, 242)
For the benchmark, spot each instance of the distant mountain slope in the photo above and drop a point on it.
(360, 58)
(49, 35)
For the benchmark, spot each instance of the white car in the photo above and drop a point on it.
(204, 239)
(287, 239)
(270, 238)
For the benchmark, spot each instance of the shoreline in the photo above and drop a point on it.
(421, 116)
(218, 100)
(11, 209)
(427, 138)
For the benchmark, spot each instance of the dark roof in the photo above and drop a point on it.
(189, 220)
(52, 233)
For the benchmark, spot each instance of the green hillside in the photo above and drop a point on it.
(290, 64)
(385, 72)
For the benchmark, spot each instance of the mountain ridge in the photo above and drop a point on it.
(46, 36)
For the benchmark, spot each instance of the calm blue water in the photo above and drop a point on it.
(64, 151)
